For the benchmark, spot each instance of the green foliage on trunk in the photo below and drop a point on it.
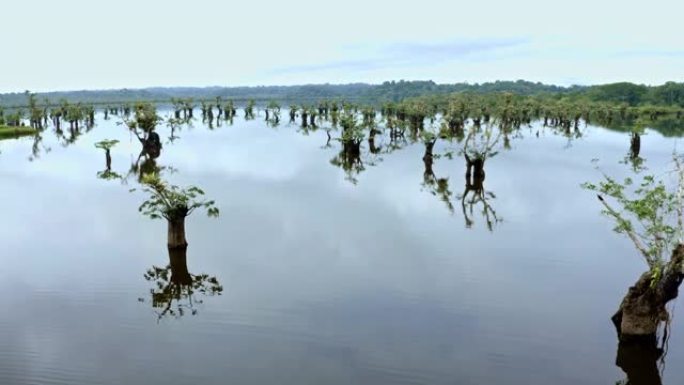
(172, 202)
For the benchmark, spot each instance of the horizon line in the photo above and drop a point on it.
(144, 88)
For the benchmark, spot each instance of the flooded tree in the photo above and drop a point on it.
(305, 116)
(174, 283)
(474, 195)
(273, 113)
(107, 145)
(372, 146)
(313, 113)
(438, 187)
(188, 108)
(651, 214)
(35, 112)
(175, 125)
(204, 107)
(249, 109)
(349, 157)
(219, 107)
(635, 145)
(174, 204)
(478, 147)
(230, 110)
(293, 113)
(633, 157)
(143, 126)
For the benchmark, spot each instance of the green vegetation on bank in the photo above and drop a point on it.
(15, 132)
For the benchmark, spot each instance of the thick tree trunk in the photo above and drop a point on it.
(643, 307)
(176, 233)
(152, 145)
(635, 145)
(352, 149)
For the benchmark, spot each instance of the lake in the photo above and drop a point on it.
(328, 277)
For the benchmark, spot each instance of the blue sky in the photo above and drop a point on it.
(88, 44)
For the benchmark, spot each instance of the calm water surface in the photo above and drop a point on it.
(325, 281)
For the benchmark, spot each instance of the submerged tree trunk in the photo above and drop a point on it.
(305, 119)
(474, 168)
(108, 160)
(643, 307)
(179, 266)
(638, 358)
(152, 145)
(635, 145)
(428, 174)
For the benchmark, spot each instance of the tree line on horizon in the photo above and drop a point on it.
(668, 94)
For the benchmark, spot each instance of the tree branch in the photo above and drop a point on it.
(630, 232)
(680, 199)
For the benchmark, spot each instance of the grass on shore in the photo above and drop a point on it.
(7, 132)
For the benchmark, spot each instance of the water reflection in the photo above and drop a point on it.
(479, 146)
(475, 195)
(349, 159)
(633, 157)
(146, 162)
(642, 360)
(38, 147)
(438, 187)
(176, 291)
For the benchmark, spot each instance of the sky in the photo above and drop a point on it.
(94, 44)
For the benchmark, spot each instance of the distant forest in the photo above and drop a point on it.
(671, 93)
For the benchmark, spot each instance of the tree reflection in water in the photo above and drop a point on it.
(177, 292)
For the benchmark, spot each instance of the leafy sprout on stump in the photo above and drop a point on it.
(172, 202)
(651, 214)
(106, 144)
(647, 216)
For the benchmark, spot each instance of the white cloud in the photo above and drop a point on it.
(78, 44)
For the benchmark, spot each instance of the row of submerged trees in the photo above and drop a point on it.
(479, 126)
(650, 212)
(473, 127)
(642, 311)
(455, 109)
